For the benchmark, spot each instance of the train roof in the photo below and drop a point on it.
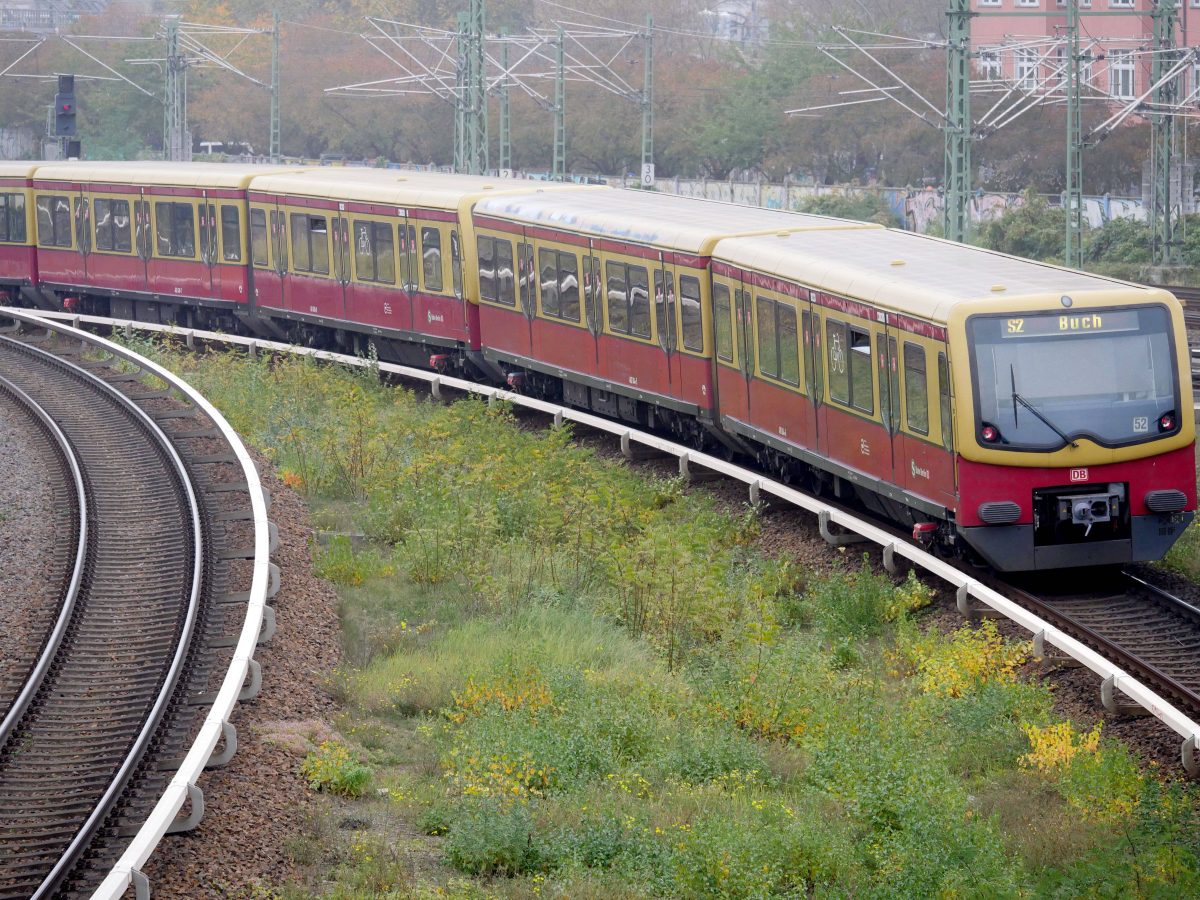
(17, 168)
(398, 187)
(685, 224)
(160, 174)
(906, 272)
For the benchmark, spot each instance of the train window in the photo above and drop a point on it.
(505, 281)
(862, 395)
(431, 258)
(408, 256)
(839, 372)
(456, 264)
(618, 298)
(53, 220)
(548, 282)
(568, 286)
(208, 232)
(279, 241)
(813, 381)
(258, 237)
(231, 234)
(528, 276)
(722, 326)
(689, 309)
(143, 239)
(112, 225)
(12, 218)
(664, 307)
(789, 347)
(741, 318)
(83, 234)
(486, 251)
(374, 254)
(175, 229)
(310, 243)
(639, 302)
(768, 337)
(916, 388)
(944, 402)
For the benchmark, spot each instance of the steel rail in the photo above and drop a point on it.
(243, 674)
(183, 645)
(1113, 675)
(54, 642)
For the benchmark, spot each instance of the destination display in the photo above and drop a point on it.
(1103, 322)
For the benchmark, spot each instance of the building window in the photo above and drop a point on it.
(1026, 68)
(989, 2)
(1027, 2)
(1119, 4)
(1120, 73)
(989, 64)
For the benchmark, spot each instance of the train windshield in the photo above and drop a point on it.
(1043, 380)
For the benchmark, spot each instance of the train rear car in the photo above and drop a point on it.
(154, 241)
(18, 258)
(602, 299)
(1037, 416)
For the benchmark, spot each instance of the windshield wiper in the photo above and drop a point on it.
(1017, 398)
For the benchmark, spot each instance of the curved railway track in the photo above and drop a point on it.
(149, 647)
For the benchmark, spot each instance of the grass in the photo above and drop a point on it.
(565, 678)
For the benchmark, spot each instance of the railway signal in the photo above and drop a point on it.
(65, 107)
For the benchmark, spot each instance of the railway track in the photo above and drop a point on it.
(145, 640)
(1139, 626)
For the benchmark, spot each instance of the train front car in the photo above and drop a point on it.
(1075, 424)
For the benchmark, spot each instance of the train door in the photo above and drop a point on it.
(527, 280)
(410, 269)
(83, 232)
(143, 236)
(665, 313)
(888, 375)
(279, 252)
(592, 291)
(814, 371)
(208, 243)
(743, 333)
(340, 227)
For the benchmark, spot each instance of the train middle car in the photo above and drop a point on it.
(1029, 415)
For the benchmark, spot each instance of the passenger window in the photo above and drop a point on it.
(548, 282)
(431, 258)
(408, 256)
(916, 389)
(175, 229)
(722, 327)
(258, 237)
(231, 234)
(664, 307)
(54, 221)
(768, 339)
(103, 218)
(486, 250)
(505, 281)
(456, 264)
(374, 259)
(618, 298)
(112, 225)
(690, 312)
(862, 395)
(5, 199)
(839, 369)
(789, 348)
(639, 302)
(301, 259)
(568, 286)
(12, 218)
(944, 402)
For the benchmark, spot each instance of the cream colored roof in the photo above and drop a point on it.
(936, 275)
(211, 175)
(17, 169)
(687, 224)
(398, 187)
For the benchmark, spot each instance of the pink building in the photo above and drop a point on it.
(1031, 50)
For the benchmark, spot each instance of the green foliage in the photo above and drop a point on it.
(332, 769)
(1034, 230)
(492, 839)
(863, 207)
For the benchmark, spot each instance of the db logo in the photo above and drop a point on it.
(1079, 475)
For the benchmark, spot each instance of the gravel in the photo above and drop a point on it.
(259, 801)
(33, 517)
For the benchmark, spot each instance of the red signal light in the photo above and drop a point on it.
(1167, 422)
(989, 433)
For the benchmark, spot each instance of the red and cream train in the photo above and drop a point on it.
(1039, 416)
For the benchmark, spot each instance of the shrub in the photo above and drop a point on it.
(331, 768)
(495, 839)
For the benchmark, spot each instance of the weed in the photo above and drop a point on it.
(331, 768)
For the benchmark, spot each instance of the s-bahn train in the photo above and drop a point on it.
(1033, 416)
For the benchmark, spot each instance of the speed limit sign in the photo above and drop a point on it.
(648, 175)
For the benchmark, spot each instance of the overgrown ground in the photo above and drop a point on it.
(566, 678)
